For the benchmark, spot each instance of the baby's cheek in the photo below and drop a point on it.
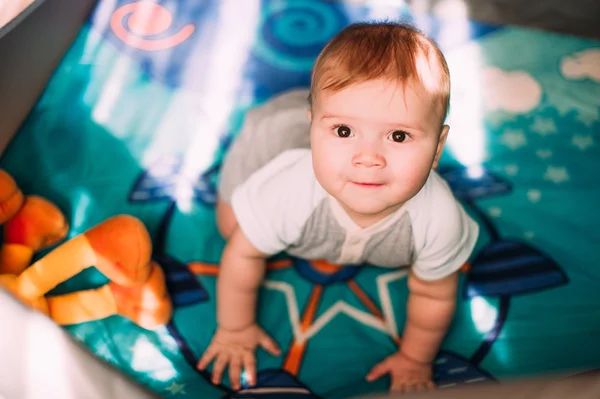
(325, 173)
(410, 182)
(329, 178)
(334, 167)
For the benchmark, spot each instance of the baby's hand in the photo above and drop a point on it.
(236, 349)
(407, 375)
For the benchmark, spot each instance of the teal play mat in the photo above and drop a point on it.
(143, 106)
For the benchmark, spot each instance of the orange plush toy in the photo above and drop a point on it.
(119, 247)
(31, 224)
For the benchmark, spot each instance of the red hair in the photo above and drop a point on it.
(383, 50)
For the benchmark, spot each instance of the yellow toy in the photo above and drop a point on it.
(119, 247)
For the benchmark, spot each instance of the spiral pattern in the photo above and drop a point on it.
(134, 22)
(293, 33)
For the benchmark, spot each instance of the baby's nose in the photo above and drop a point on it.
(368, 159)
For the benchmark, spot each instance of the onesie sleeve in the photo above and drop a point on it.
(274, 203)
(445, 235)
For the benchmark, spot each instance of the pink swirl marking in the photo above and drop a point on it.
(147, 18)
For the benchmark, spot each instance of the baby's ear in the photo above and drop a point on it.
(309, 113)
(440, 146)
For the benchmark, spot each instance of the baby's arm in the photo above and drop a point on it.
(445, 237)
(270, 208)
(241, 273)
(430, 310)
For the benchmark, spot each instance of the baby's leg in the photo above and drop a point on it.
(226, 221)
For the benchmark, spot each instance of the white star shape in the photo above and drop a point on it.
(176, 389)
(529, 235)
(543, 126)
(495, 211)
(511, 169)
(588, 116)
(387, 325)
(563, 108)
(582, 142)
(544, 154)
(513, 138)
(557, 174)
(534, 195)
(495, 119)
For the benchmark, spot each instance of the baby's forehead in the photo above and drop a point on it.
(380, 100)
(381, 91)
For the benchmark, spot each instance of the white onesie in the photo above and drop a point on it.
(281, 206)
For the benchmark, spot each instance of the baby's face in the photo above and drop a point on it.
(374, 144)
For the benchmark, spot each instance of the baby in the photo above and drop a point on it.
(353, 183)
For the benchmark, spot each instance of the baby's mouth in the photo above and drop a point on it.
(367, 184)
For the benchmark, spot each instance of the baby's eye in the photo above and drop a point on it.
(342, 131)
(398, 136)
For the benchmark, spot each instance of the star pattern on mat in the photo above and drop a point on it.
(543, 153)
(588, 116)
(585, 111)
(511, 170)
(534, 195)
(543, 126)
(176, 389)
(495, 211)
(582, 142)
(529, 235)
(513, 139)
(385, 322)
(563, 108)
(498, 117)
(557, 174)
(309, 318)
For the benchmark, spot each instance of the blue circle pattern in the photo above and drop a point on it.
(292, 34)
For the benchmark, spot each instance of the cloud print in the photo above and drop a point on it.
(515, 92)
(585, 64)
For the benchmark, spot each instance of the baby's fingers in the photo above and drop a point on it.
(207, 357)
(425, 386)
(250, 368)
(235, 369)
(378, 371)
(399, 386)
(219, 367)
(269, 344)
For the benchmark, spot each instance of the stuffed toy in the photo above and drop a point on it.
(119, 247)
(31, 224)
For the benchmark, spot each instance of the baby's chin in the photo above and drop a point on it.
(370, 207)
